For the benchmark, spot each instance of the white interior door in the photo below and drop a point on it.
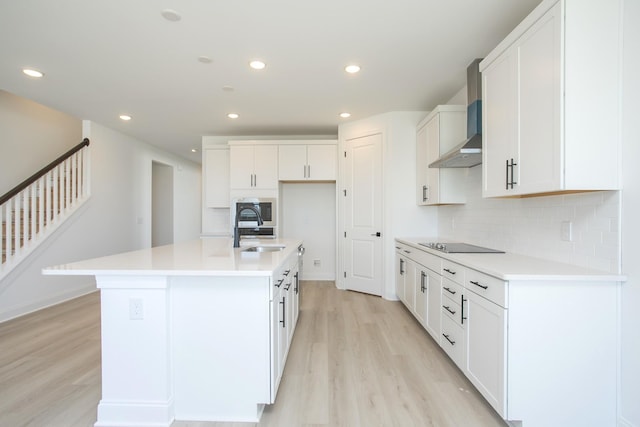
(363, 215)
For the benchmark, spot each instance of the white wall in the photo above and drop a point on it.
(115, 219)
(28, 127)
(630, 344)
(401, 216)
(308, 212)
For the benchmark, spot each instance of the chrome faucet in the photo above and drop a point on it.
(236, 234)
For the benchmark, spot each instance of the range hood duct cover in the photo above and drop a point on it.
(468, 153)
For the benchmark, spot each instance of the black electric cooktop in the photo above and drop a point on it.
(460, 248)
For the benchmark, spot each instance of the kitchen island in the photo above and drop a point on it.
(193, 331)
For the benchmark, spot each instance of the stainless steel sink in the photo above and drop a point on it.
(273, 248)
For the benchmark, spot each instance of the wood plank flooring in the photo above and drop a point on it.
(355, 360)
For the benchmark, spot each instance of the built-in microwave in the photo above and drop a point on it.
(267, 207)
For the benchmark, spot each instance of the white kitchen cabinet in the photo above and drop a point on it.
(438, 133)
(312, 161)
(486, 349)
(216, 177)
(253, 166)
(401, 265)
(550, 111)
(524, 343)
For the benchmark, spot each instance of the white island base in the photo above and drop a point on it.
(188, 345)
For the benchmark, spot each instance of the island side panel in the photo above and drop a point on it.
(221, 347)
(562, 353)
(136, 380)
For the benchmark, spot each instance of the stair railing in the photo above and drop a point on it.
(34, 208)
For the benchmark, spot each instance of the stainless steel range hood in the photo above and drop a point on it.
(469, 152)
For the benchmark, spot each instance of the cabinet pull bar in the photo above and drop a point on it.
(406, 251)
(288, 286)
(449, 290)
(449, 271)
(286, 272)
(308, 171)
(422, 277)
(279, 283)
(506, 175)
(478, 284)
(297, 282)
(447, 338)
(424, 193)
(401, 266)
(446, 307)
(284, 307)
(462, 301)
(512, 173)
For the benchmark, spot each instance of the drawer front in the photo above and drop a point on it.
(452, 309)
(432, 262)
(451, 289)
(452, 341)
(492, 288)
(453, 271)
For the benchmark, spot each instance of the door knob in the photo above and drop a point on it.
(376, 234)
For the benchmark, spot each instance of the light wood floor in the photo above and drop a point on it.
(355, 360)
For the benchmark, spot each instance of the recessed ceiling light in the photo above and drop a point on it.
(171, 15)
(125, 117)
(32, 73)
(205, 59)
(228, 88)
(257, 65)
(194, 150)
(352, 69)
(345, 115)
(233, 115)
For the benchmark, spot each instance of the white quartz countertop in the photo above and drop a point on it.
(202, 257)
(509, 266)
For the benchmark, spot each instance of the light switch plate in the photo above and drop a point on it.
(566, 231)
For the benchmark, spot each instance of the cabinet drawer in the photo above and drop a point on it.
(453, 271)
(451, 308)
(432, 262)
(490, 287)
(452, 341)
(451, 289)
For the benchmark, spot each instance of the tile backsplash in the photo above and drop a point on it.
(533, 226)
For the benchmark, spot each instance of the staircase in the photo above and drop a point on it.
(36, 207)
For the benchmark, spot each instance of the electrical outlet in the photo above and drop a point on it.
(316, 263)
(136, 309)
(566, 231)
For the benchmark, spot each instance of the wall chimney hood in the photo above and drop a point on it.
(469, 152)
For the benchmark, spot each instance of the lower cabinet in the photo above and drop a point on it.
(541, 348)
(284, 316)
(486, 349)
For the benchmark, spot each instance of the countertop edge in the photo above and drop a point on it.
(479, 262)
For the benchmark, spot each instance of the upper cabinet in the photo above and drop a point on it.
(551, 102)
(438, 133)
(307, 161)
(216, 177)
(253, 166)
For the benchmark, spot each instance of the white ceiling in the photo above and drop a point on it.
(103, 58)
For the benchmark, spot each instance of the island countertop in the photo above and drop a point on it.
(202, 257)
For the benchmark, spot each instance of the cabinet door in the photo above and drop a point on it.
(401, 268)
(434, 302)
(433, 152)
(499, 109)
(292, 162)
(241, 167)
(539, 168)
(421, 166)
(216, 177)
(322, 161)
(275, 344)
(410, 285)
(422, 295)
(486, 349)
(265, 166)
